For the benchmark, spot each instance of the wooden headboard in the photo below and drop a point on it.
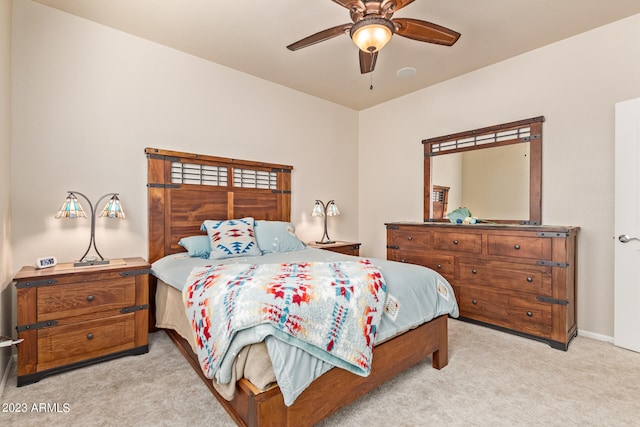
(185, 189)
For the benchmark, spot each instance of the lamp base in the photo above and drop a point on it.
(89, 262)
(325, 243)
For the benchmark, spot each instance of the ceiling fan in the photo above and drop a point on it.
(373, 27)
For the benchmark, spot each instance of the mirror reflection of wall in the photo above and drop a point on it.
(447, 171)
(493, 183)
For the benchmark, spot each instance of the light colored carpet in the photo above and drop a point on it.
(493, 379)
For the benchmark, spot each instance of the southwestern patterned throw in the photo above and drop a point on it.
(331, 310)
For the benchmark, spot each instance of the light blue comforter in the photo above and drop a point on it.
(415, 295)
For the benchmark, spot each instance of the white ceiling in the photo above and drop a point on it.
(251, 35)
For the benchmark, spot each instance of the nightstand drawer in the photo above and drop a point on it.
(347, 248)
(63, 345)
(82, 298)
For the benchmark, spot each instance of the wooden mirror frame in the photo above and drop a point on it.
(528, 130)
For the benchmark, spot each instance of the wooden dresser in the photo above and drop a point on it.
(517, 278)
(74, 316)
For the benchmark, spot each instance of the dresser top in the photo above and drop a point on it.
(485, 226)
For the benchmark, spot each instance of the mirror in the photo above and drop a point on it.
(495, 172)
(477, 178)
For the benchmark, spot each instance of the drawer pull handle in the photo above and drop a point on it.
(529, 314)
(409, 238)
(439, 265)
(474, 271)
(402, 260)
(90, 298)
(529, 279)
(89, 336)
(516, 247)
(474, 302)
(455, 242)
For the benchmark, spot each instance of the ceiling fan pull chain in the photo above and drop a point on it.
(371, 84)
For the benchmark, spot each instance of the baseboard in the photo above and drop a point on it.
(593, 335)
(7, 372)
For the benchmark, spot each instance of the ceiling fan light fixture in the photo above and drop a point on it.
(372, 34)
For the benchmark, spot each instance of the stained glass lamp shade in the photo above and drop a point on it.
(71, 208)
(113, 209)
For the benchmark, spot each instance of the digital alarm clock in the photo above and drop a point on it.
(47, 261)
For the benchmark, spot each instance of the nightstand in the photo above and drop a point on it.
(348, 248)
(71, 317)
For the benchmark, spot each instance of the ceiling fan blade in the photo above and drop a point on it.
(425, 31)
(320, 37)
(367, 61)
(399, 4)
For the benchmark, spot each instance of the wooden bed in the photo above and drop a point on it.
(186, 189)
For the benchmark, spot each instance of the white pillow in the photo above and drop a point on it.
(277, 236)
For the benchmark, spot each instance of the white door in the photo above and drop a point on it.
(627, 225)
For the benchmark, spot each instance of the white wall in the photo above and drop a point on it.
(88, 99)
(6, 271)
(574, 84)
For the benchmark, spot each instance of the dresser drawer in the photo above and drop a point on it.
(56, 302)
(443, 264)
(409, 238)
(63, 345)
(459, 242)
(506, 310)
(538, 248)
(532, 279)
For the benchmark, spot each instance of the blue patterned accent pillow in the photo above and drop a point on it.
(232, 238)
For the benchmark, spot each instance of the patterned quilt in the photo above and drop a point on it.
(332, 310)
